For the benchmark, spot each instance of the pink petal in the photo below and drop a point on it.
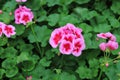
(66, 47)
(56, 38)
(79, 45)
(102, 35)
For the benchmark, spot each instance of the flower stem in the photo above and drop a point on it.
(35, 38)
(100, 75)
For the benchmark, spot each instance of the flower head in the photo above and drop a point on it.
(69, 38)
(111, 43)
(9, 30)
(23, 15)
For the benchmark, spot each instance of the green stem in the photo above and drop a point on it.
(100, 75)
(35, 38)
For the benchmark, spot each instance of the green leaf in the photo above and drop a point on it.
(53, 19)
(18, 77)
(85, 27)
(41, 35)
(102, 28)
(44, 62)
(82, 1)
(2, 71)
(101, 19)
(1, 51)
(65, 2)
(93, 63)
(34, 3)
(88, 41)
(10, 6)
(52, 2)
(67, 76)
(64, 19)
(3, 41)
(84, 13)
(115, 6)
(84, 73)
(27, 65)
(23, 57)
(111, 72)
(114, 22)
(9, 63)
(5, 18)
(19, 29)
(100, 5)
(11, 72)
(26, 47)
(49, 54)
(9, 52)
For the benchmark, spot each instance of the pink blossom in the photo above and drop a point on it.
(112, 45)
(23, 15)
(107, 35)
(21, 0)
(69, 38)
(9, 30)
(66, 47)
(56, 38)
(78, 46)
(2, 25)
(103, 46)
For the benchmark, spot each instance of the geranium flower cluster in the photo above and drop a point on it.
(69, 38)
(111, 43)
(23, 15)
(7, 30)
(21, 0)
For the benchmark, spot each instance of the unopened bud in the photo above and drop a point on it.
(107, 64)
(118, 53)
(97, 39)
(10, 13)
(1, 11)
(29, 78)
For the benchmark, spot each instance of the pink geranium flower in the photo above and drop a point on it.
(23, 15)
(103, 46)
(69, 38)
(112, 45)
(9, 30)
(21, 0)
